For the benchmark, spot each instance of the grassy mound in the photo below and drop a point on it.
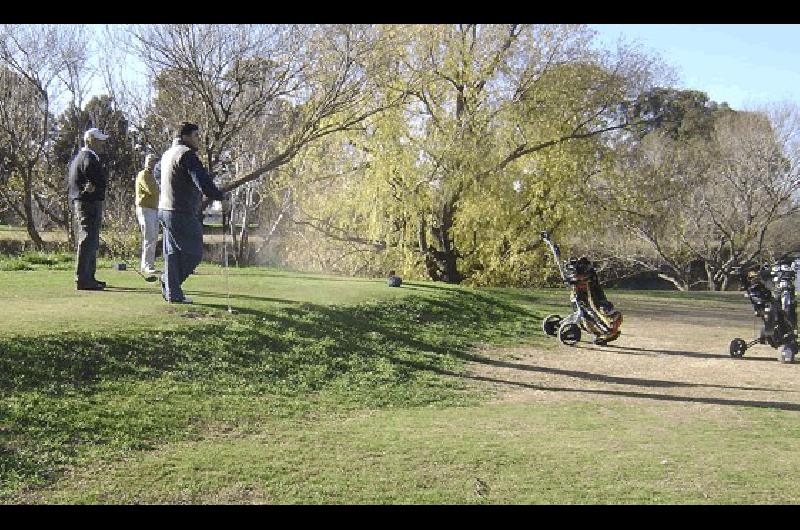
(68, 398)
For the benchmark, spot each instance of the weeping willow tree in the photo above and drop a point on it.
(499, 125)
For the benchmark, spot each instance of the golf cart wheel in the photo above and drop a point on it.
(738, 347)
(569, 334)
(786, 353)
(550, 325)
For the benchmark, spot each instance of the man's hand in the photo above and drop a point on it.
(88, 188)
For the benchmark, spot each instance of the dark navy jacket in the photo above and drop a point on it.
(83, 169)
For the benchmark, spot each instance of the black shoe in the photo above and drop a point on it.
(98, 282)
(184, 300)
(96, 286)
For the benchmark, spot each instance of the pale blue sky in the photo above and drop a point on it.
(743, 64)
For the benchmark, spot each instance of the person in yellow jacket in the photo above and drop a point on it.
(147, 213)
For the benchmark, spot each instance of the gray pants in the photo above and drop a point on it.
(183, 249)
(88, 218)
(148, 222)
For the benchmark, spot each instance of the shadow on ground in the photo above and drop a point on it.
(388, 350)
(391, 351)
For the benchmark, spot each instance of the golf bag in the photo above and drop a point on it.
(771, 292)
(592, 313)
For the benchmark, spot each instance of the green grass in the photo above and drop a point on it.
(46, 300)
(335, 390)
(600, 454)
(104, 390)
(31, 261)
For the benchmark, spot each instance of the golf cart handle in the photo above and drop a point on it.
(553, 247)
(556, 254)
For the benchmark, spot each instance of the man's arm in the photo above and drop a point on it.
(201, 177)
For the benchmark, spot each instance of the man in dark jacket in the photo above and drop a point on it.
(87, 191)
(184, 181)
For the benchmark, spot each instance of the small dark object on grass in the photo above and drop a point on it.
(394, 281)
(123, 265)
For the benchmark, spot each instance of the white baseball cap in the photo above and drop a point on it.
(94, 132)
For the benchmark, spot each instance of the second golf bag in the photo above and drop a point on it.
(771, 290)
(593, 312)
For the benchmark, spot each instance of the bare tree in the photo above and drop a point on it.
(32, 59)
(706, 204)
(752, 185)
(317, 80)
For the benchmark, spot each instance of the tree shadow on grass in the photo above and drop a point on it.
(616, 380)
(648, 351)
(298, 349)
(779, 405)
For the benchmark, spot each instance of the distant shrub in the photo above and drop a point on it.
(28, 261)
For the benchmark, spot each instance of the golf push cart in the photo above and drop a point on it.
(771, 292)
(593, 312)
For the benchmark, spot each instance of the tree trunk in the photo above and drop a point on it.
(68, 224)
(714, 282)
(234, 243)
(30, 225)
(441, 264)
(243, 236)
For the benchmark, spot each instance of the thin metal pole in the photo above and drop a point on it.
(225, 251)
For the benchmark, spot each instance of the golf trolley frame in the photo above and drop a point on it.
(776, 307)
(584, 317)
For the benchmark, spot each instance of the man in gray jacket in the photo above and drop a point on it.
(184, 181)
(87, 190)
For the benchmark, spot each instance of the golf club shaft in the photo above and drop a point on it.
(225, 251)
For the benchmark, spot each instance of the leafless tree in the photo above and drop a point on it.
(35, 60)
(705, 203)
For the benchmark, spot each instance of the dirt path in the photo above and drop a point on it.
(670, 352)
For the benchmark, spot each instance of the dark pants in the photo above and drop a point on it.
(88, 218)
(183, 249)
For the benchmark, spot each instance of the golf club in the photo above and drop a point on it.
(148, 279)
(225, 266)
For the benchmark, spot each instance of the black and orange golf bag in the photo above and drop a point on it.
(592, 313)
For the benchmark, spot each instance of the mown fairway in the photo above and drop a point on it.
(336, 390)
